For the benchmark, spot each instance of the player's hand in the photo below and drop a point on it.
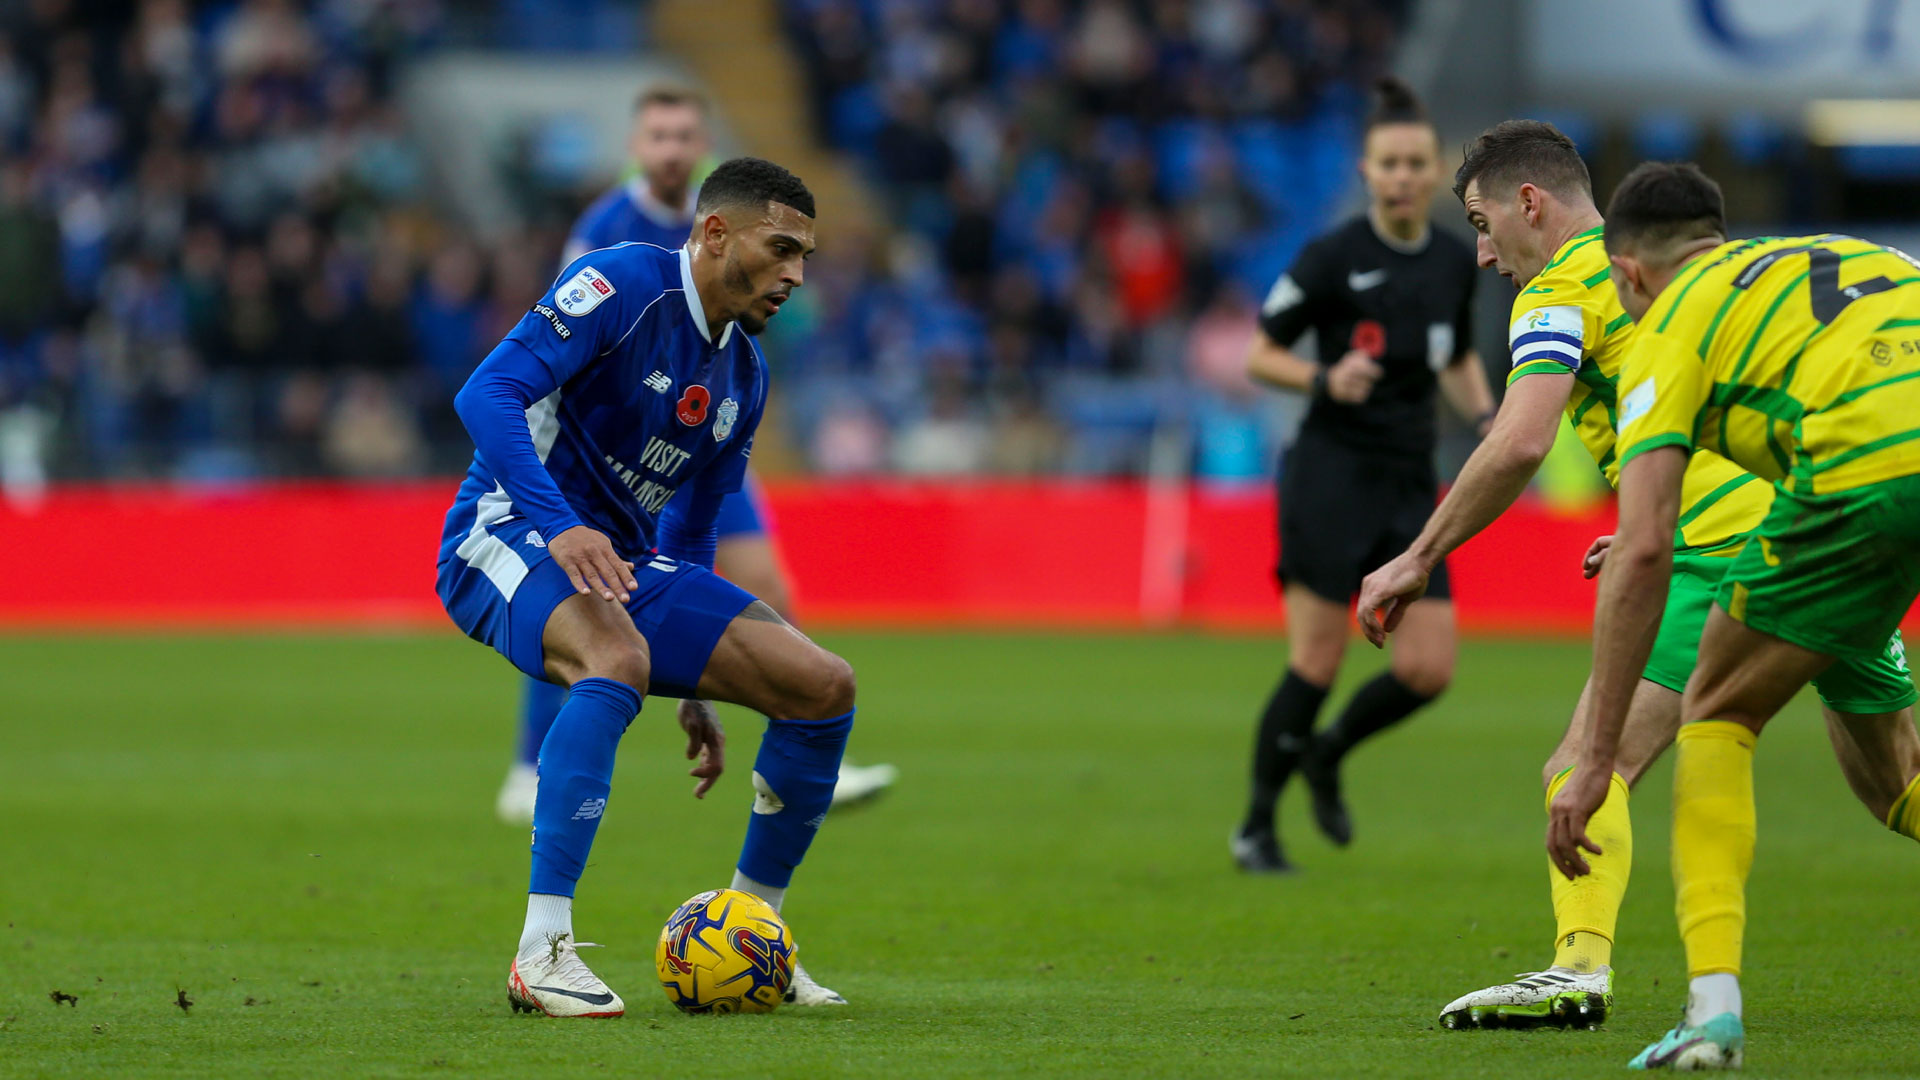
(1386, 593)
(1596, 556)
(1567, 818)
(591, 563)
(706, 744)
(1350, 381)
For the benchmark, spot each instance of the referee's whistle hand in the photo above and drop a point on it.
(1350, 381)
(592, 565)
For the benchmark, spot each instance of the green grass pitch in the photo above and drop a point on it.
(297, 833)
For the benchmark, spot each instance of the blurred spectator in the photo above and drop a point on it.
(222, 253)
(370, 432)
(949, 440)
(1092, 175)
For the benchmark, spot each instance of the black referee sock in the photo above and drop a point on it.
(1376, 707)
(1286, 729)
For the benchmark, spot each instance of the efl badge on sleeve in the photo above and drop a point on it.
(723, 418)
(582, 292)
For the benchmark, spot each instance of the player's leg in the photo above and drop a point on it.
(748, 557)
(592, 647)
(1869, 712)
(1879, 754)
(510, 594)
(540, 702)
(1744, 677)
(1330, 518)
(1317, 630)
(807, 695)
(1827, 575)
(1422, 666)
(1586, 910)
(1576, 989)
(1394, 504)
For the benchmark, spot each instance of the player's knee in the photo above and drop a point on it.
(1318, 663)
(1429, 680)
(829, 689)
(625, 662)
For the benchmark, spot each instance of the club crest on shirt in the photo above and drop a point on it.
(723, 418)
(582, 292)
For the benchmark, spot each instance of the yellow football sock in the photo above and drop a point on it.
(1904, 818)
(1586, 908)
(1713, 832)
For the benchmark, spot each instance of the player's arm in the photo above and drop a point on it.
(1501, 467)
(1663, 387)
(1464, 380)
(535, 358)
(1626, 619)
(1464, 383)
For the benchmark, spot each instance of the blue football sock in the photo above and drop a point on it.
(576, 772)
(539, 703)
(793, 782)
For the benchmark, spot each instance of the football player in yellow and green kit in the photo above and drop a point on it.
(1527, 194)
(1798, 358)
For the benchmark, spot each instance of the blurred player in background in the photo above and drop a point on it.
(567, 550)
(668, 142)
(1390, 301)
(1797, 358)
(1527, 194)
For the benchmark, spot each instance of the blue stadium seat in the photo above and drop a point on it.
(1666, 136)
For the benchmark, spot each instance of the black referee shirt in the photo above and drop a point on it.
(1411, 309)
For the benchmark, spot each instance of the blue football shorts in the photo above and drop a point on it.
(505, 593)
(743, 513)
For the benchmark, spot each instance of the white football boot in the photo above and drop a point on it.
(858, 783)
(1556, 997)
(514, 804)
(804, 991)
(553, 981)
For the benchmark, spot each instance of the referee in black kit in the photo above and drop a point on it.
(1389, 300)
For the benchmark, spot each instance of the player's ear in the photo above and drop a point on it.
(713, 233)
(1626, 270)
(1530, 203)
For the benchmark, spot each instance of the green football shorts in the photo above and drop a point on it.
(1834, 573)
(1876, 685)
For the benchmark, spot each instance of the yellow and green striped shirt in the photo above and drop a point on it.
(1569, 320)
(1797, 357)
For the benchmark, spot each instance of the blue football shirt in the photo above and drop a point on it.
(626, 213)
(611, 394)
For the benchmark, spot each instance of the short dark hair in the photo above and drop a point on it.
(1664, 202)
(1394, 102)
(1515, 152)
(752, 181)
(665, 93)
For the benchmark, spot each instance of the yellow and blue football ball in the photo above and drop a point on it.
(725, 951)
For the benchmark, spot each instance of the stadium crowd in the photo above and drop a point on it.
(222, 255)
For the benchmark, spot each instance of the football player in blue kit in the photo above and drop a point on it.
(633, 378)
(668, 141)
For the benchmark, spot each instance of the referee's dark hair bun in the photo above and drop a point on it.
(1394, 102)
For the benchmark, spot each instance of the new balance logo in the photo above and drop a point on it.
(590, 810)
(534, 538)
(663, 564)
(658, 382)
(819, 820)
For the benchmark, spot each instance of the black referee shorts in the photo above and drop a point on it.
(1343, 514)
